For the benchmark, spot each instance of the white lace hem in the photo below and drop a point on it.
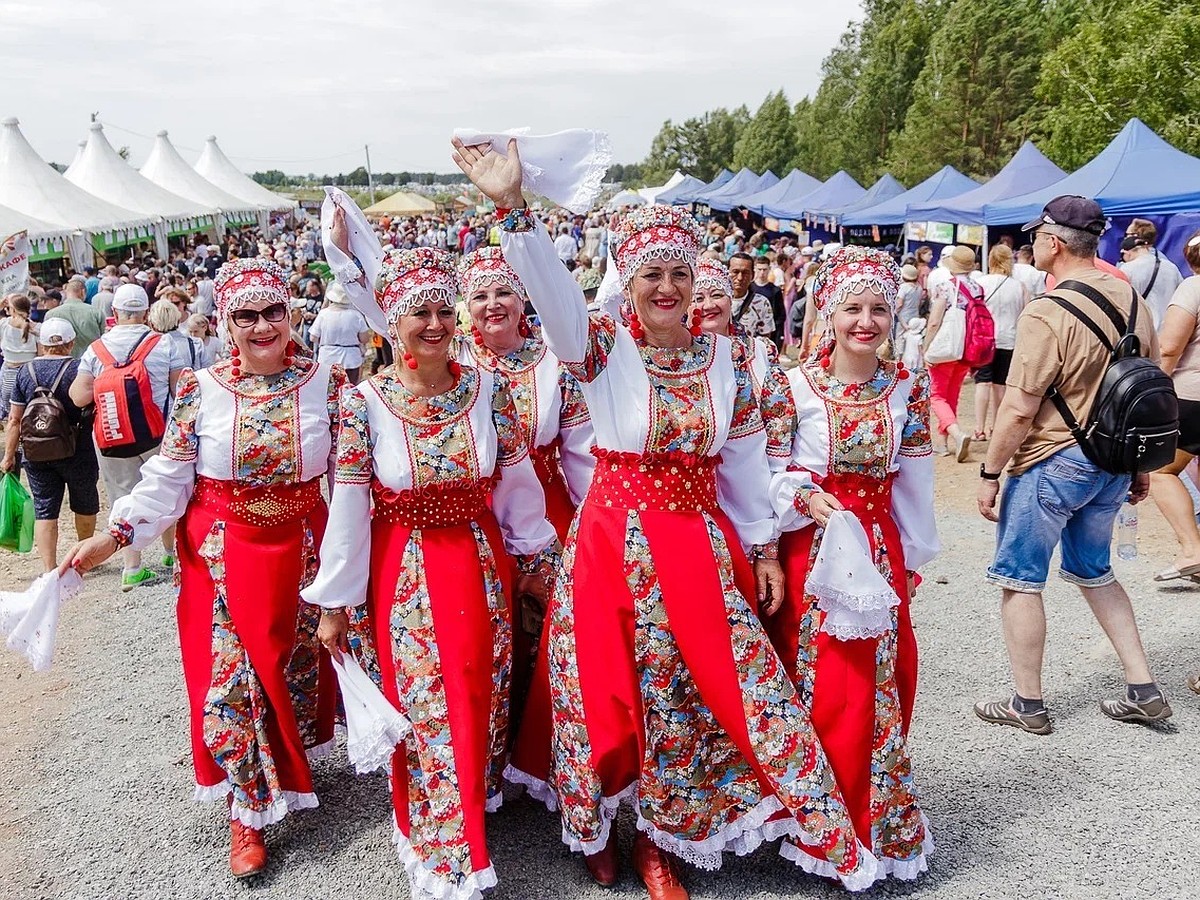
(289, 801)
(860, 879)
(320, 751)
(375, 750)
(854, 616)
(536, 788)
(494, 802)
(742, 836)
(608, 812)
(601, 158)
(909, 869)
(426, 885)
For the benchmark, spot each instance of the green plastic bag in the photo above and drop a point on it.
(16, 515)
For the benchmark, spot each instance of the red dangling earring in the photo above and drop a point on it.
(827, 356)
(901, 371)
(409, 360)
(523, 327)
(289, 354)
(477, 336)
(455, 369)
(695, 328)
(235, 356)
(635, 327)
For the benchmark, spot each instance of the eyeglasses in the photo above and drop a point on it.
(248, 318)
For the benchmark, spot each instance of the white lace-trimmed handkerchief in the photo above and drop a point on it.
(364, 246)
(30, 618)
(373, 726)
(856, 599)
(566, 166)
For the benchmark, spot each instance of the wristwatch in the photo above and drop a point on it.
(986, 475)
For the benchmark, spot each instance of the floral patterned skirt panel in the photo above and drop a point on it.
(664, 684)
(861, 692)
(259, 693)
(440, 600)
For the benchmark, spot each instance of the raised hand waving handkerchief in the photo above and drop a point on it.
(363, 246)
(856, 599)
(566, 166)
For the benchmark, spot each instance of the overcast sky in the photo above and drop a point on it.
(302, 86)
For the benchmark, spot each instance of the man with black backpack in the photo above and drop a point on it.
(129, 374)
(1086, 417)
(55, 440)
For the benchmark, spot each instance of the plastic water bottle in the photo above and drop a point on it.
(1127, 532)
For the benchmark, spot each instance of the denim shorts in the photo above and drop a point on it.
(1064, 498)
(48, 481)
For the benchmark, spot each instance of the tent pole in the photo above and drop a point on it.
(370, 179)
(984, 254)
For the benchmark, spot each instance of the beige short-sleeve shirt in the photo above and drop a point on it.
(1187, 370)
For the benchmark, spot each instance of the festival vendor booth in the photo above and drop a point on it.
(688, 186)
(810, 216)
(33, 188)
(651, 194)
(622, 199)
(1137, 174)
(885, 188)
(166, 168)
(743, 182)
(1028, 170)
(795, 184)
(214, 166)
(686, 198)
(401, 203)
(44, 244)
(946, 182)
(733, 194)
(100, 170)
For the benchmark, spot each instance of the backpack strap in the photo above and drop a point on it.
(1154, 275)
(142, 348)
(62, 370)
(1078, 313)
(1053, 394)
(1101, 301)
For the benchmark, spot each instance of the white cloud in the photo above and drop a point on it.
(306, 80)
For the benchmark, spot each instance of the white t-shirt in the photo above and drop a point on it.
(15, 349)
(938, 275)
(1005, 297)
(336, 330)
(161, 362)
(565, 248)
(1140, 272)
(1033, 279)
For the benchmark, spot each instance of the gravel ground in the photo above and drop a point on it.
(95, 775)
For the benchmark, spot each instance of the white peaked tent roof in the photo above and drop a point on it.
(30, 186)
(78, 153)
(651, 193)
(166, 168)
(40, 232)
(101, 171)
(215, 166)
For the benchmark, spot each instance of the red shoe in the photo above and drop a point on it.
(657, 870)
(247, 852)
(603, 866)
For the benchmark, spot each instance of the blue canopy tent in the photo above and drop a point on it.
(742, 181)
(1137, 174)
(946, 182)
(683, 198)
(1028, 170)
(728, 197)
(885, 188)
(794, 184)
(839, 191)
(690, 185)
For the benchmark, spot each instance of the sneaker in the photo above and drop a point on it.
(1001, 712)
(138, 578)
(168, 561)
(1156, 709)
(964, 448)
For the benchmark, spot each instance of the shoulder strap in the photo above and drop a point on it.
(103, 354)
(32, 370)
(142, 348)
(996, 288)
(1078, 313)
(62, 370)
(1101, 301)
(1154, 276)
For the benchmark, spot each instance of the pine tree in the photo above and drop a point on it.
(769, 141)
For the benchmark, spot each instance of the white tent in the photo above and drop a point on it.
(31, 187)
(78, 153)
(215, 166)
(101, 171)
(650, 194)
(46, 239)
(166, 168)
(625, 198)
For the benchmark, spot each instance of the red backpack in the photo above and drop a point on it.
(128, 422)
(979, 347)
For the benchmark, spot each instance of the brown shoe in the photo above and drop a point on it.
(603, 866)
(247, 852)
(1001, 712)
(1156, 709)
(657, 870)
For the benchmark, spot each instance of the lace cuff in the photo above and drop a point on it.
(516, 220)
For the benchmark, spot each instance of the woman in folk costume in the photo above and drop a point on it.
(712, 309)
(665, 687)
(432, 454)
(861, 448)
(240, 468)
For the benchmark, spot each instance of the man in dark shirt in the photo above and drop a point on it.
(48, 481)
(763, 286)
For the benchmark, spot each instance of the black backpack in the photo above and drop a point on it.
(1133, 425)
(47, 432)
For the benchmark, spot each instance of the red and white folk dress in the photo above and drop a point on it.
(240, 470)
(665, 688)
(869, 446)
(448, 489)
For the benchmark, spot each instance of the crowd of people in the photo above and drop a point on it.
(655, 544)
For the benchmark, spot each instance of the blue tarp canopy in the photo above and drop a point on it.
(688, 186)
(728, 197)
(794, 184)
(885, 188)
(739, 183)
(1138, 173)
(840, 190)
(682, 198)
(1028, 170)
(946, 182)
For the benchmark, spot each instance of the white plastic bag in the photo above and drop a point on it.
(30, 618)
(373, 725)
(948, 344)
(856, 599)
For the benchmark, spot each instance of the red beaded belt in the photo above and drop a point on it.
(435, 505)
(862, 494)
(667, 481)
(258, 505)
(545, 461)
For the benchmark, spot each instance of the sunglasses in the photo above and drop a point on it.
(248, 318)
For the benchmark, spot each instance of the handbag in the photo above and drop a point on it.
(948, 344)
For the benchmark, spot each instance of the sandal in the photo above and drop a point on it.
(1172, 574)
(979, 436)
